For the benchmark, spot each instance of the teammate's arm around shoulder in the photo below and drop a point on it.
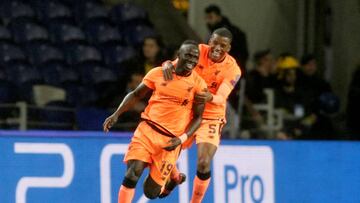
(167, 69)
(128, 102)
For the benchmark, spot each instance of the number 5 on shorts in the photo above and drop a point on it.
(212, 128)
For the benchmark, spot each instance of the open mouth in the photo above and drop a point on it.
(216, 54)
(190, 65)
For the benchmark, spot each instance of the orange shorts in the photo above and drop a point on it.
(209, 132)
(147, 146)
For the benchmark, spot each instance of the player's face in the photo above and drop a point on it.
(188, 57)
(219, 46)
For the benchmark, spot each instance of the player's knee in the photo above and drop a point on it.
(203, 164)
(152, 193)
(137, 171)
(129, 183)
(133, 174)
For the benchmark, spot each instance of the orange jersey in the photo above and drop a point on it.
(214, 74)
(170, 105)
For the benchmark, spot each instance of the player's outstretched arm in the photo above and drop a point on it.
(198, 109)
(128, 102)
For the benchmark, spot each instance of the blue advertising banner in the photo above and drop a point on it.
(73, 167)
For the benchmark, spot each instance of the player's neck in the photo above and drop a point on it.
(182, 72)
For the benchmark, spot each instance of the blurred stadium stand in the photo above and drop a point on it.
(76, 46)
(79, 48)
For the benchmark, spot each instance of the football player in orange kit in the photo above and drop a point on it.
(221, 73)
(169, 119)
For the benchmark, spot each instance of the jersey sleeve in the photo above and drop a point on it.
(174, 62)
(230, 79)
(150, 78)
(232, 76)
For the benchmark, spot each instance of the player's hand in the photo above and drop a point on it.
(203, 97)
(172, 144)
(167, 69)
(109, 122)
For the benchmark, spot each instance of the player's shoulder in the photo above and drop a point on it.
(155, 71)
(231, 63)
(203, 47)
(229, 60)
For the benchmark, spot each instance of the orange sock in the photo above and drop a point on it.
(126, 194)
(199, 189)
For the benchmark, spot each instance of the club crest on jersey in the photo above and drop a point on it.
(213, 85)
(185, 102)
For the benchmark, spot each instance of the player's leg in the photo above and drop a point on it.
(160, 170)
(206, 152)
(176, 178)
(137, 158)
(127, 190)
(207, 140)
(151, 188)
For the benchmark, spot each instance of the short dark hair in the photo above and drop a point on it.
(212, 8)
(260, 54)
(307, 58)
(224, 32)
(190, 42)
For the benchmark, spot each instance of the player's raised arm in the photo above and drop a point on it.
(128, 102)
